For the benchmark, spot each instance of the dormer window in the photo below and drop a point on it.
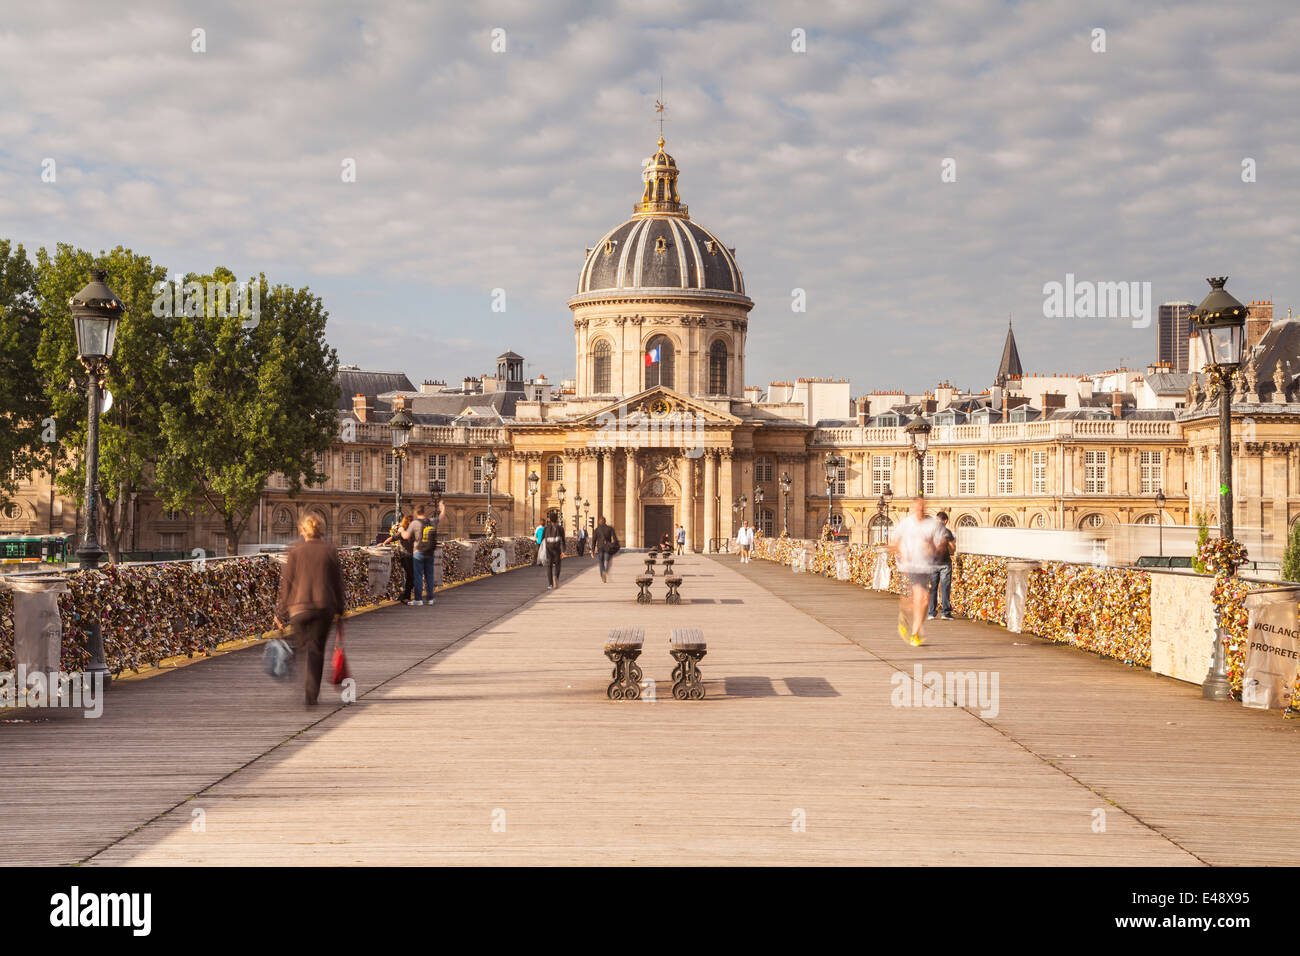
(609, 246)
(710, 247)
(661, 244)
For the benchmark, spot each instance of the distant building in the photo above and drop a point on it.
(1172, 329)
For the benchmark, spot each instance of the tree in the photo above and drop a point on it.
(1291, 559)
(256, 401)
(137, 376)
(23, 403)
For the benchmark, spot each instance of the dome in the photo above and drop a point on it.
(660, 247)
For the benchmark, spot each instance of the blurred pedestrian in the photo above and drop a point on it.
(311, 600)
(945, 544)
(605, 543)
(553, 540)
(913, 544)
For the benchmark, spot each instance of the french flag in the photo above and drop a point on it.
(652, 356)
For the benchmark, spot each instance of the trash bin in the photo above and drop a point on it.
(1017, 593)
(38, 636)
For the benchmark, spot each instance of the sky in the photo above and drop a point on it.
(493, 142)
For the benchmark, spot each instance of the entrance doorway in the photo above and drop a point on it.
(657, 520)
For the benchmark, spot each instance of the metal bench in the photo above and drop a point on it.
(650, 563)
(687, 646)
(673, 584)
(668, 563)
(643, 595)
(623, 647)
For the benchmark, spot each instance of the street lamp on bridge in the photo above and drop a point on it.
(882, 511)
(533, 481)
(400, 426)
(918, 432)
(490, 473)
(785, 494)
(96, 312)
(1220, 321)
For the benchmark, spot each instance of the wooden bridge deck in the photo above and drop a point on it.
(482, 735)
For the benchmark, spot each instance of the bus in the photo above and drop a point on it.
(35, 549)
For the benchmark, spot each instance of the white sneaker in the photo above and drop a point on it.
(416, 603)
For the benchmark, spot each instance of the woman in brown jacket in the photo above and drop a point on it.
(311, 598)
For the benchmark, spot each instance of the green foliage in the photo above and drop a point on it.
(1291, 559)
(255, 401)
(23, 404)
(1202, 536)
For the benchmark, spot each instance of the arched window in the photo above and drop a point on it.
(967, 521)
(1005, 521)
(1147, 519)
(880, 526)
(555, 468)
(600, 368)
(718, 368)
(659, 372)
(1092, 521)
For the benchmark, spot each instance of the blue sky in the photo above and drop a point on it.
(479, 170)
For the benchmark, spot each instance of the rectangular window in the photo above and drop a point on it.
(1040, 472)
(1006, 472)
(763, 470)
(927, 473)
(1152, 465)
(1094, 472)
(390, 471)
(966, 474)
(438, 471)
(352, 470)
(881, 473)
(480, 486)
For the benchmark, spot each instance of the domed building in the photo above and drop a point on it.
(660, 301)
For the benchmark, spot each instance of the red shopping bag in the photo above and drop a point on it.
(341, 672)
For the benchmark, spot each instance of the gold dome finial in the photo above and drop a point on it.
(660, 197)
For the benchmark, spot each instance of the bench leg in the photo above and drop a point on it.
(643, 596)
(686, 675)
(673, 597)
(626, 684)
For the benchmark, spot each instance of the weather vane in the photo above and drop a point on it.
(661, 106)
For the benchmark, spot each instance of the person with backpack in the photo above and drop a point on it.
(405, 548)
(423, 533)
(553, 541)
(605, 541)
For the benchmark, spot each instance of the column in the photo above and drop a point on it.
(631, 519)
(710, 498)
(606, 504)
(589, 487)
(726, 495)
(688, 499)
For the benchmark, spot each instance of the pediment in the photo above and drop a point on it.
(659, 403)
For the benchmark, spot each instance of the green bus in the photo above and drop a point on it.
(35, 549)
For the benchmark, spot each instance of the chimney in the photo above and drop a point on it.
(995, 398)
(1259, 316)
(1117, 403)
(360, 408)
(1052, 401)
(862, 411)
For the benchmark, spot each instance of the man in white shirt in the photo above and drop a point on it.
(914, 545)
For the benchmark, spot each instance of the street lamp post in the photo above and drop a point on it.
(533, 481)
(785, 494)
(741, 502)
(96, 312)
(435, 492)
(586, 511)
(882, 511)
(1160, 518)
(577, 508)
(562, 494)
(918, 432)
(832, 472)
(490, 473)
(1220, 321)
(400, 425)
(758, 506)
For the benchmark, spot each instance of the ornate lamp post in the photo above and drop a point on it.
(785, 493)
(490, 473)
(586, 511)
(400, 425)
(1220, 321)
(533, 481)
(832, 472)
(758, 505)
(561, 493)
(1160, 518)
(741, 503)
(436, 494)
(918, 432)
(577, 507)
(96, 312)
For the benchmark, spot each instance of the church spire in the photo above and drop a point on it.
(660, 197)
(1010, 366)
